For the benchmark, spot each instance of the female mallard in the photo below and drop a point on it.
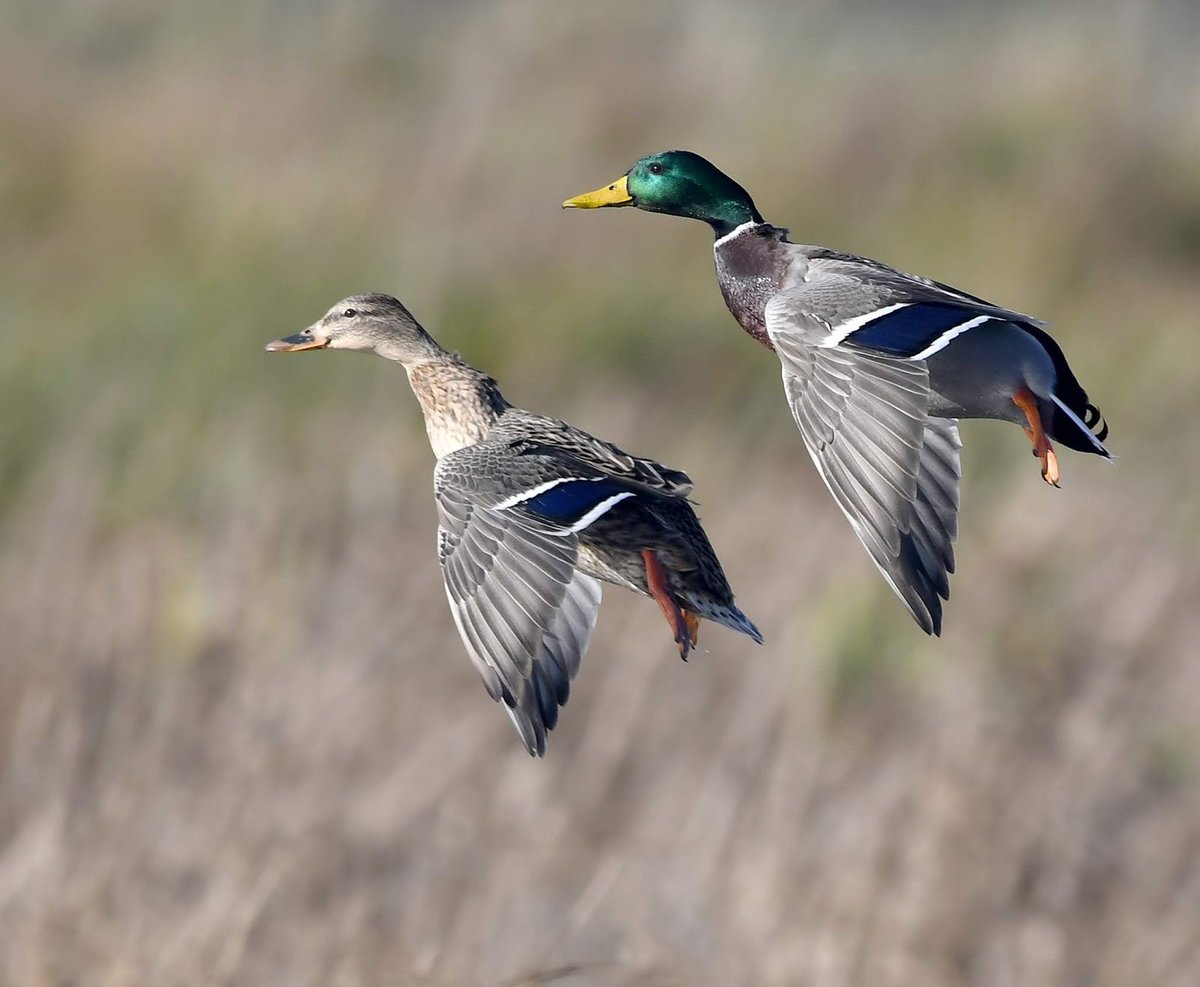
(878, 365)
(531, 513)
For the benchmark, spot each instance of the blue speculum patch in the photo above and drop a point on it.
(571, 500)
(910, 329)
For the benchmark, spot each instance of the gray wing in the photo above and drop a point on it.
(935, 508)
(522, 609)
(873, 281)
(892, 470)
(594, 452)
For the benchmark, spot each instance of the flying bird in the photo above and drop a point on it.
(878, 366)
(532, 515)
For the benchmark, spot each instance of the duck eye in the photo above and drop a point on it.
(656, 169)
(349, 313)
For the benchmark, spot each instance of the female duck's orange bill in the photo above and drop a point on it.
(307, 340)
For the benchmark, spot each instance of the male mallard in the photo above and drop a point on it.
(878, 366)
(531, 513)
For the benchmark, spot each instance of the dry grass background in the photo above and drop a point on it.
(240, 742)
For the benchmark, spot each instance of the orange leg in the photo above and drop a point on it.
(1042, 448)
(682, 624)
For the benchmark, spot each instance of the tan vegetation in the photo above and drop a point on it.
(240, 742)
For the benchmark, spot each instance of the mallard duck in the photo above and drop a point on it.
(532, 514)
(878, 366)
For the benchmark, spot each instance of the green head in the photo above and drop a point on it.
(678, 183)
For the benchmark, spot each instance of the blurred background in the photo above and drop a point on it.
(240, 740)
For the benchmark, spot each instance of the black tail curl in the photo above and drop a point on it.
(1071, 393)
(1092, 418)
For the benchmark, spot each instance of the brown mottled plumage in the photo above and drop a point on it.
(532, 512)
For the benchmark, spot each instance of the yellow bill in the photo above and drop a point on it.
(616, 194)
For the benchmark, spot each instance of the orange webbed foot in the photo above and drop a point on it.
(1050, 466)
(1027, 402)
(682, 623)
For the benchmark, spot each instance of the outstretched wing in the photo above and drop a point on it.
(892, 470)
(935, 510)
(567, 440)
(523, 610)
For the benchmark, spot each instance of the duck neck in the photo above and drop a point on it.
(752, 266)
(460, 404)
(733, 215)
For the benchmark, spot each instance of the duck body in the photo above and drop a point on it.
(533, 514)
(878, 366)
(543, 471)
(989, 355)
